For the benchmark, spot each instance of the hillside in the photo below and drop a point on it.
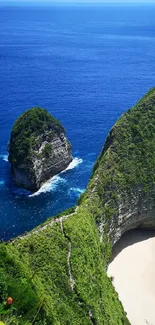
(56, 274)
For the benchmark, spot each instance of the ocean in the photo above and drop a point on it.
(87, 64)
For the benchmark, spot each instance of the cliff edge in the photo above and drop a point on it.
(123, 180)
(38, 148)
(60, 267)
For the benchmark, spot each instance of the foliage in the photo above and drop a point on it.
(125, 167)
(35, 270)
(3, 285)
(47, 150)
(66, 212)
(25, 135)
(37, 274)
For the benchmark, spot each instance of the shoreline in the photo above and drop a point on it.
(133, 270)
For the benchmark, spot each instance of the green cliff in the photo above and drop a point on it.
(56, 274)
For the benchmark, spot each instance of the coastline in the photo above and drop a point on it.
(133, 272)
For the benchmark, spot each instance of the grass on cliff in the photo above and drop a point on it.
(27, 128)
(35, 270)
(125, 167)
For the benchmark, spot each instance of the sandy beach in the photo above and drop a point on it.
(133, 270)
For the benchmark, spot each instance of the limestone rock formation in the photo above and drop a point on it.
(124, 174)
(38, 148)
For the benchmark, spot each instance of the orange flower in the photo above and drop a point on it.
(9, 301)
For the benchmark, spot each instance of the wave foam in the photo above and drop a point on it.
(52, 183)
(4, 157)
(77, 190)
(74, 163)
(49, 185)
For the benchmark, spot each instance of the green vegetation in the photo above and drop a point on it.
(36, 276)
(125, 166)
(25, 134)
(47, 150)
(56, 274)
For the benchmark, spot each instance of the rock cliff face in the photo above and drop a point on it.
(124, 175)
(38, 149)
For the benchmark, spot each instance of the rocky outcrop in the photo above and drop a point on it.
(133, 214)
(38, 149)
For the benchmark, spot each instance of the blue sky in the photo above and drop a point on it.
(80, 1)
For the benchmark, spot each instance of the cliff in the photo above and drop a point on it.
(38, 148)
(123, 180)
(60, 267)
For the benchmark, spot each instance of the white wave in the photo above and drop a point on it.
(49, 186)
(77, 190)
(4, 157)
(74, 163)
(2, 182)
(53, 182)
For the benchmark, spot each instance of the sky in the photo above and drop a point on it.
(79, 1)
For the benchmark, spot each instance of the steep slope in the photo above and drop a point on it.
(56, 274)
(123, 181)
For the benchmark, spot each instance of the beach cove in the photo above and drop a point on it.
(133, 272)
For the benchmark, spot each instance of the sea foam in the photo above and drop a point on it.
(4, 157)
(49, 186)
(53, 182)
(76, 191)
(74, 163)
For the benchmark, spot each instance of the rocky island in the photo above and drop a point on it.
(61, 266)
(38, 148)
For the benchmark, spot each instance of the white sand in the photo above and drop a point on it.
(133, 269)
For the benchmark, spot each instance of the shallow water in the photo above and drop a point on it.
(86, 65)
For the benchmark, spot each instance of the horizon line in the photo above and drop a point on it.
(70, 2)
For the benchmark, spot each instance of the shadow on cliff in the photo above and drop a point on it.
(130, 238)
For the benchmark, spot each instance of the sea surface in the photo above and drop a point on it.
(87, 64)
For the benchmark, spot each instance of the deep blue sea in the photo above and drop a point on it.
(86, 64)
